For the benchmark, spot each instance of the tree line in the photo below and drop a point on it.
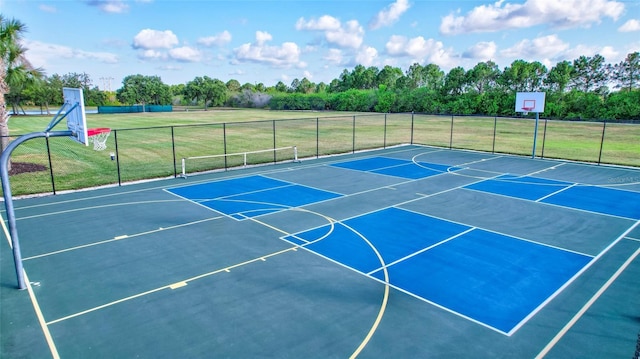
(585, 88)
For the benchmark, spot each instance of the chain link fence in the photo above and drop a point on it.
(51, 165)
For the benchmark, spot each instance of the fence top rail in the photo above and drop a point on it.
(351, 115)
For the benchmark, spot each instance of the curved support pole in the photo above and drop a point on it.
(8, 198)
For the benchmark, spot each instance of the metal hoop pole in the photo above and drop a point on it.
(8, 198)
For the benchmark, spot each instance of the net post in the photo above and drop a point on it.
(184, 168)
(295, 154)
(245, 159)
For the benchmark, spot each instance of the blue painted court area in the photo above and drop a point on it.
(530, 188)
(599, 199)
(493, 279)
(251, 196)
(358, 241)
(589, 198)
(396, 167)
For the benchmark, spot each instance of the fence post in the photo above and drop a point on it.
(173, 149)
(53, 182)
(273, 126)
(544, 138)
(115, 139)
(224, 143)
(604, 126)
(451, 134)
(495, 125)
(353, 135)
(384, 137)
(412, 124)
(317, 137)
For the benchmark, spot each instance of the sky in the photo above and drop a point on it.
(267, 41)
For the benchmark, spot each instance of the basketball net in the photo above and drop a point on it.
(99, 137)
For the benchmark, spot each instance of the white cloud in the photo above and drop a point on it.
(40, 54)
(608, 52)
(348, 36)
(390, 14)
(629, 26)
(152, 54)
(285, 55)
(324, 23)
(542, 47)
(351, 35)
(220, 39)
(262, 37)
(185, 54)
(557, 14)
(109, 6)
(482, 51)
(420, 50)
(154, 39)
(366, 56)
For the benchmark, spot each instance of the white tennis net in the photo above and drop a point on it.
(198, 164)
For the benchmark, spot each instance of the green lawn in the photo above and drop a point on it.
(151, 145)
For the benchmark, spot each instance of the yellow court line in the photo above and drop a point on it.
(43, 323)
(178, 285)
(36, 306)
(385, 297)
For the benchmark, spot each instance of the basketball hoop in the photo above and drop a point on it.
(525, 110)
(527, 106)
(99, 137)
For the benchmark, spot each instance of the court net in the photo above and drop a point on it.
(198, 164)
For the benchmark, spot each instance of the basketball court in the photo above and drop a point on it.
(410, 251)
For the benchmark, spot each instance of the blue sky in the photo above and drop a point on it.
(266, 41)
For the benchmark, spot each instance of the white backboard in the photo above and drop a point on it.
(530, 101)
(76, 117)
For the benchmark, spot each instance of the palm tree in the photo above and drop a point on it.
(15, 69)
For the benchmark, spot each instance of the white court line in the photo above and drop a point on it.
(396, 205)
(589, 265)
(95, 207)
(587, 305)
(550, 204)
(500, 233)
(546, 169)
(118, 238)
(207, 180)
(177, 284)
(554, 193)
(385, 297)
(424, 249)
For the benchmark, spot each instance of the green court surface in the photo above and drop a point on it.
(404, 252)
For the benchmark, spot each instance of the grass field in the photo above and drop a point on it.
(151, 145)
